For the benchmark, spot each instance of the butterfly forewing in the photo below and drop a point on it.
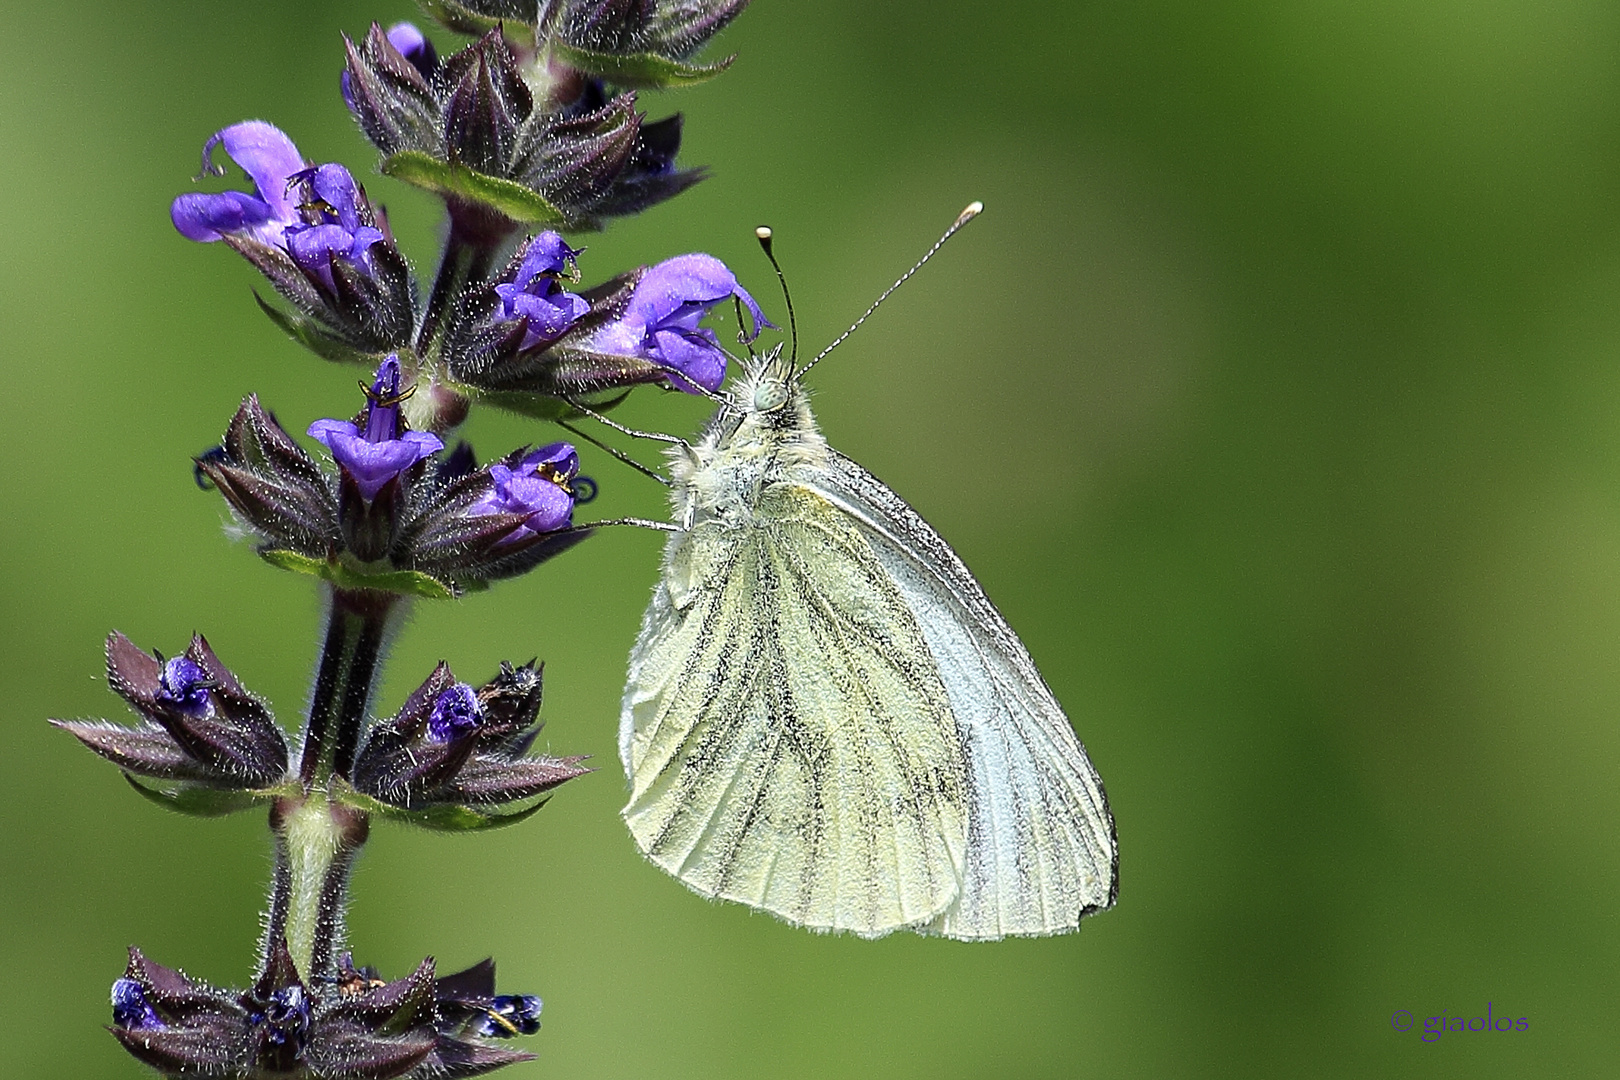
(789, 740)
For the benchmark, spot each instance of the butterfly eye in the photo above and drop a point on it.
(770, 396)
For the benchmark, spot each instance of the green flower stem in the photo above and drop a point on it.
(317, 841)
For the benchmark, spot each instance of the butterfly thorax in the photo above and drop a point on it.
(764, 432)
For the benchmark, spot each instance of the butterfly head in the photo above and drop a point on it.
(766, 386)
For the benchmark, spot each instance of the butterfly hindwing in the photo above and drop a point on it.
(1041, 849)
(789, 740)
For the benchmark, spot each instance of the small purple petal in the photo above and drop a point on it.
(407, 39)
(373, 464)
(270, 159)
(548, 316)
(547, 253)
(559, 457)
(414, 46)
(661, 319)
(696, 279)
(536, 295)
(455, 713)
(694, 358)
(205, 217)
(313, 247)
(331, 226)
(382, 410)
(267, 155)
(323, 431)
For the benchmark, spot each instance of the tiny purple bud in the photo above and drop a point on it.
(185, 686)
(537, 487)
(661, 320)
(131, 1010)
(385, 449)
(285, 1017)
(455, 713)
(536, 294)
(414, 46)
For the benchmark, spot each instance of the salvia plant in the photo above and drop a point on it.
(533, 129)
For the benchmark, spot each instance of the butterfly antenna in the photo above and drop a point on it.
(764, 234)
(974, 209)
(613, 451)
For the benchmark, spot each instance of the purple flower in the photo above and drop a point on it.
(455, 713)
(537, 487)
(375, 456)
(660, 322)
(314, 214)
(331, 224)
(536, 294)
(270, 159)
(184, 685)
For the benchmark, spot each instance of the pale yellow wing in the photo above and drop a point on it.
(1041, 850)
(787, 737)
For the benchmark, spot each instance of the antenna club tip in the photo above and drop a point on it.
(763, 232)
(973, 210)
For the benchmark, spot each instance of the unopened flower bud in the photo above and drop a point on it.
(442, 749)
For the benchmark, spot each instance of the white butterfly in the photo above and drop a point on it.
(826, 718)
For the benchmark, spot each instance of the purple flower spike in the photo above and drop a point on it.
(385, 449)
(270, 159)
(537, 487)
(661, 320)
(536, 294)
(184, 685)
(331, 225)
(455, 713)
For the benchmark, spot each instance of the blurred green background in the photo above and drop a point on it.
(1275, 400)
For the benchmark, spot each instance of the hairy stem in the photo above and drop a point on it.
(357, 623)
(316, 845)
(475, 235)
